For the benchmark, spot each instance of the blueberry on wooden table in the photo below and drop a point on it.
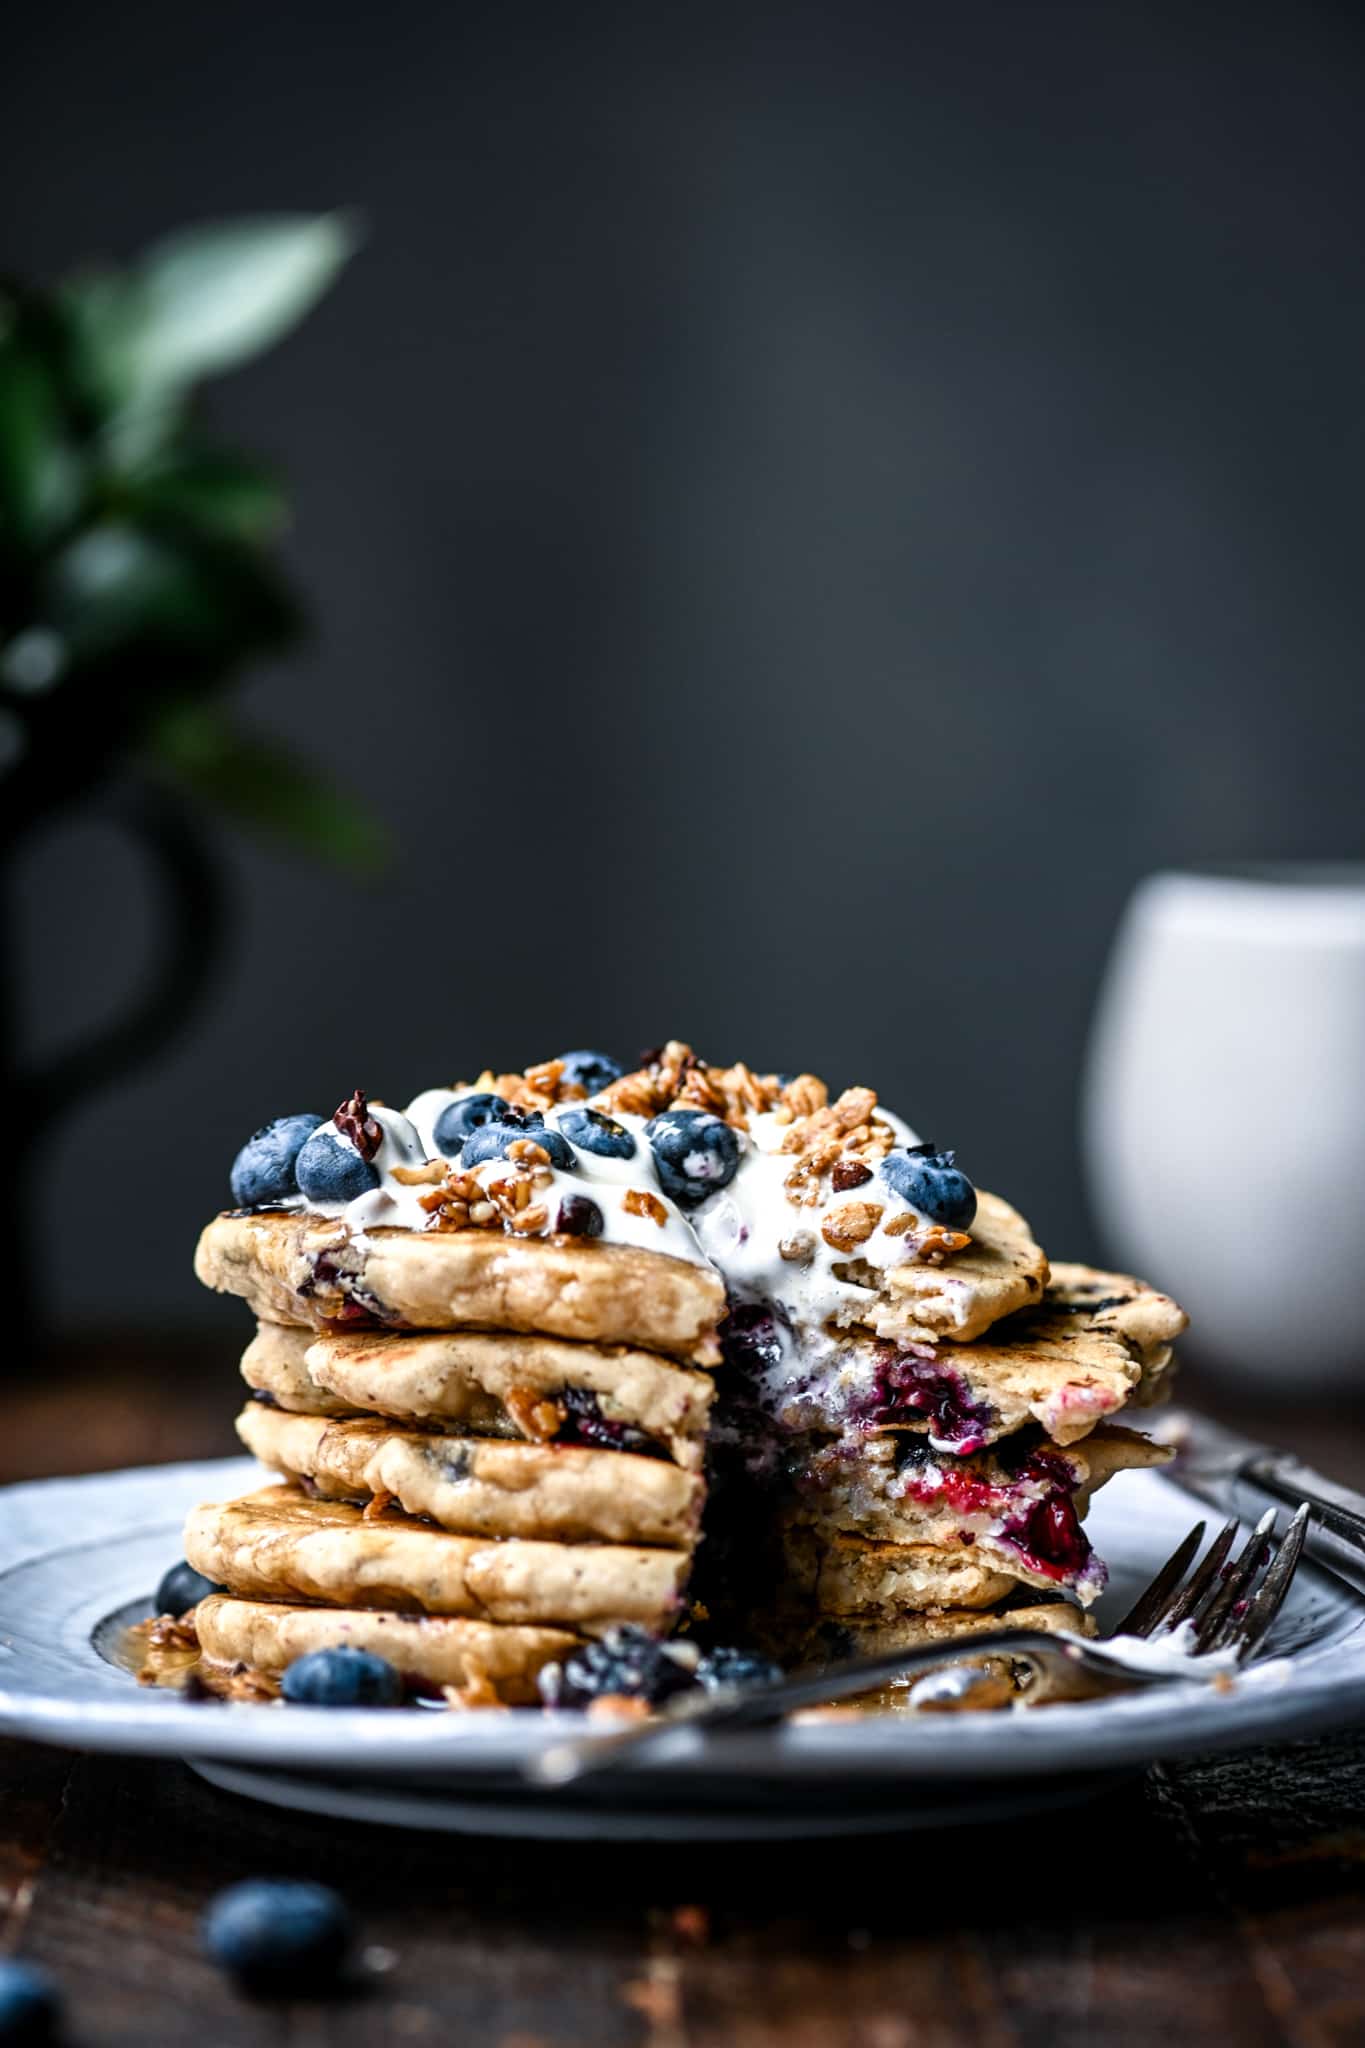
(264, 1169)
(30, 2003)
(694, 1154)
(182, 1588)
(342, 1677)
(280, 1936)
(931, 1182)
(591, 1071)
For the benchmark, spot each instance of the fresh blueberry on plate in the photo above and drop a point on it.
(455, 1123)
(931, 1182)
(727, 1666)
(592, 1071)
(579, 1216)
(342, 1677)
(694, 1154)
(182, 1588)
(263, 1170)
(593, 1132)
(30, 2003)
(491, 1141)
(329, 1171)
(627, 1663)
(278, 1935)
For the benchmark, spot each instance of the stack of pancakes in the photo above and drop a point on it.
(511, 1463)
(498, 1436)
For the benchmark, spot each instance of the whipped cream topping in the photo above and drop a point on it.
(766, 1246)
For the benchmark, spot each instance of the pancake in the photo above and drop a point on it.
(523, 1387)
(1095, 1343)
(801, 1640)
(1001, 1270)
(479, 1486)
(837, 1574)
(498, 1664)
(1018, 1506)
(280, 1544)
(293, 1267)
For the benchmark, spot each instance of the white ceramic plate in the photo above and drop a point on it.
(79, 1559)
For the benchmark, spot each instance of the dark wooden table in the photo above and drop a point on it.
(1215, 1901)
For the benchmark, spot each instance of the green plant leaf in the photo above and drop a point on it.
(116, 585)
(40, 471)
(265, 787)
(222, 495)
(212, 297)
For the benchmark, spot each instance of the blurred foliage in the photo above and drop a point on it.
(138, 567)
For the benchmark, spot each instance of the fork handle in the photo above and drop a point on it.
(1337, 1536)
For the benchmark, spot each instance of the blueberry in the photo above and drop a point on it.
(593, 1132)
(342, 1677)
(491, 1141)
(593, 1071)
(182, 1588)
(726, 1666)
(579, 1216)
(329, 1171)
(931, 1182)
(694, 1154)
(263, 1170)
(278, 1934)
(29, 2002)
(454, 1124)
(627, 1661)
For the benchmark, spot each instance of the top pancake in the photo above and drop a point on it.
(1095, 1343)
(298, 1268)
(1001, 1270)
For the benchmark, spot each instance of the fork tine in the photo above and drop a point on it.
(1190, 1596)
(1147, 1610)
(1274, 1586)
(1221, 1617)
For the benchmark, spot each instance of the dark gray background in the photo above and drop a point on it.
(804, 507)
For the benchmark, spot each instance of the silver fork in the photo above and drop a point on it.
(1217, 1599)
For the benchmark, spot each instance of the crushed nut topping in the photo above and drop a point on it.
(801, 1098)
(640, 1202)
(378, 1504)
(836, 1120)
(937, 1245)
(850, 1225)
(430, 1174)
(798, 1248)
(354, 1121)
(618, 1706)
(849, 1173)
(535, 1415)
(477, 1692)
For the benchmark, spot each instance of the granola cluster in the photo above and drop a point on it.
(512, 1199)
(672, 1077)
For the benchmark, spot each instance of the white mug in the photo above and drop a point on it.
(1224, 1114)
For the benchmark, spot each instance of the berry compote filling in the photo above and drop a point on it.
(1023, 1499)
(584, 1423)
(909, 1383)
